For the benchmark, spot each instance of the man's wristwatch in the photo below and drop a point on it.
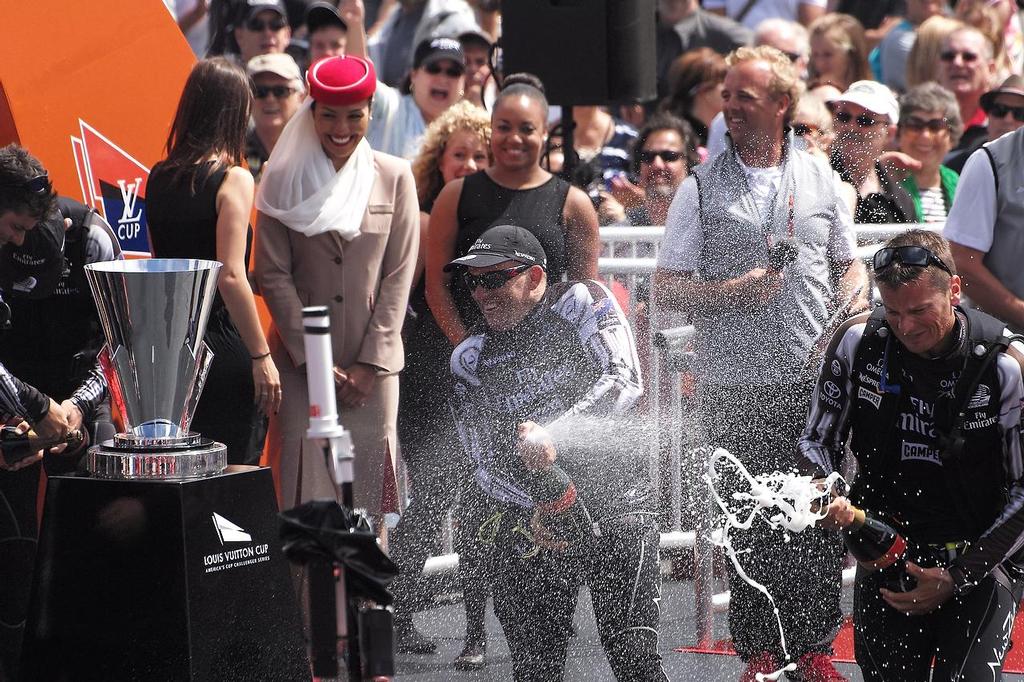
(961, 583)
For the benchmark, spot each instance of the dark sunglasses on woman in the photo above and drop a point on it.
(258, 26)
(40, 184)
(451, 71)
(916, 256)
(667, 155)
(863, 121)
(803, 129)
(278, 91)
(1000, 110)
(934, 125)
(495, 279)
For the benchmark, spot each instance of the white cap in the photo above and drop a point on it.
(873, 96)
(277, 63)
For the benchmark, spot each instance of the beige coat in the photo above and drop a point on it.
(365, 285)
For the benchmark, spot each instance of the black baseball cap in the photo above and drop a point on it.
(34, 269)
(322, 14)
(254, 7)
(500, 244)
(438, 49)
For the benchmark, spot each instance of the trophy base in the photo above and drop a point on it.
(163, 581)
(129, 457)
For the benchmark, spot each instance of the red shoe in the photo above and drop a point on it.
(764, 663)
(817, 667)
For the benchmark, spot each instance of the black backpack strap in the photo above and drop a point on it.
(986, 343)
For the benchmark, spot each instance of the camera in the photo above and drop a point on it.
(782, 253)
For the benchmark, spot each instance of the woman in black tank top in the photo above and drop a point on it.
(198, 203)
(515, 190)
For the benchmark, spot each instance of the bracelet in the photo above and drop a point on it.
(260, 357)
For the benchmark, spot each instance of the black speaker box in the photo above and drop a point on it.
(163, 581)
(585, 51)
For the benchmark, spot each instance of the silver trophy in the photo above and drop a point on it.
(154, 315)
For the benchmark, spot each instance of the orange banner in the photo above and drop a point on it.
(94, 101)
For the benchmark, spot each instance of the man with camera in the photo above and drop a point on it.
(932, 394)
(572, 500)
(759, 252)
(49, 335)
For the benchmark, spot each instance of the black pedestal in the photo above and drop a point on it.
(160, 580)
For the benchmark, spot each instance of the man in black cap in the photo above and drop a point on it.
(262, 28)
(326, 31)
(542, 394)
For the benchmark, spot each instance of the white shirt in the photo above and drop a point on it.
(763, 9)
(397, 126)
(972, 217)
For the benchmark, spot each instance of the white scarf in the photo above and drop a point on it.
(301, 188)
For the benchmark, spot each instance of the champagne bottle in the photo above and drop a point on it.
(17, 446)
(562, 510)
(877, 545)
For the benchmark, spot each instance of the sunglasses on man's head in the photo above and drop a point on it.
(451, 71)
(916, 256)
(258, 25)
(934, 125)
(40, 184)
(951, 55)
(863, 121)
(793, 56)
(495, 279)
(278, 91)
(667, 155)
(1001, 110)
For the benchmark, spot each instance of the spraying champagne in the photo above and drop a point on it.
(558, 504)
(877, 545)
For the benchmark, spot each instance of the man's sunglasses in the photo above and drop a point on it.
(863, 121)
(803, 129)
(916, 256)
(793, 56)
(1001, 110)
(951, 55)
(451, 71)
(278, 91)
(667, 155)
(40, 184)
(258, 26)
(934, 125)
(495, 279)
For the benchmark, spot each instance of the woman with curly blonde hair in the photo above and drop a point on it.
(456, 144)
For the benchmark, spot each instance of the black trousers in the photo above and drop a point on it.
(760, 425)
(968, 636)
(437, 469)
(535, 593)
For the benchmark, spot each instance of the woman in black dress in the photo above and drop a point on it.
(198, 202)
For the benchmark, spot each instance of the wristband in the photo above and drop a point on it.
(260, 357)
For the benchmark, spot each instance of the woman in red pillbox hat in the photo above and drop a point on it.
(338, 226)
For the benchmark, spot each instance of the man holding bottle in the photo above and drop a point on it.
(932, 395)
(573, 501)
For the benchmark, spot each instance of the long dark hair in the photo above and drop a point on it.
(211, 119)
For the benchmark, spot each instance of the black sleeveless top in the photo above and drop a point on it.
(484, 204)
(183, 223)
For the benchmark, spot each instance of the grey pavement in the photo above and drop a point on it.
(446, 625)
